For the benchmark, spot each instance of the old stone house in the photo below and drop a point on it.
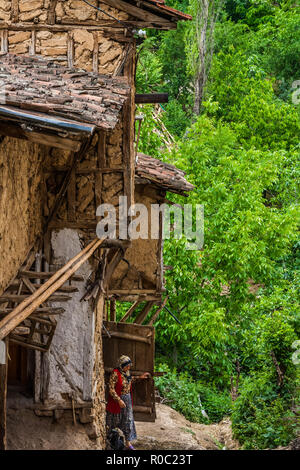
(67, 145)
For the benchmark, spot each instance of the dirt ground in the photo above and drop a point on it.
(26, 431)
(170, 431)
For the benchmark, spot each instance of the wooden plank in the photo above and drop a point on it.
(155, 316)
(70, 24)
(140, 298)
(70, 50)
(32, 345)
(39, 137)
(133, 372)
(43, 275)
(136, 12)
(95, 52)
(101, 162)
(13, 285)
(42, 294)
(129, 128)
(112, 310)
(160, 259)
(32, 47)
(72, 196)
(3, 392)
(4, 41)
(84, 171)
(51, 12)
(21, 297)
(130, 311)
(120, 335)
(142, 409)
(144, 98)
(28, 284)
(144, 313)
(39, 311)
(14, 11)
(41, 320)
(132, 291)
(79, 224)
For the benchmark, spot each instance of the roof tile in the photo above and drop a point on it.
(162, 174)
(34, 83)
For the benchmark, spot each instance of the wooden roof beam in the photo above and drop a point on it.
(137, 12)
(146, 98)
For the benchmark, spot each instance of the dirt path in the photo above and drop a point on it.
(172, 431)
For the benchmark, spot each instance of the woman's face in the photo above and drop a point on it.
(126, 368)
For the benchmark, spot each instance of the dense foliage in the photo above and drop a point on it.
(238, 299)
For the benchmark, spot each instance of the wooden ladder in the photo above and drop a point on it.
(25, 315)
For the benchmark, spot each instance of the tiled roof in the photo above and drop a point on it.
(36, 84)
(160, 5)
(162, 174)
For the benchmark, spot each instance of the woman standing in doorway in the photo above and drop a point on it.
(119, 407)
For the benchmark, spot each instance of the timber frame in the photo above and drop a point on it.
(67, 122)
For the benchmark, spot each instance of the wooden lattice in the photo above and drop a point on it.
(36, 331)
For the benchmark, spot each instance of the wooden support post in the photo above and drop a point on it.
(72, 197)
(3, 391)
(137, 12)
(64, 186)
(15, 11)
(143, 314)
(130, 311)
(160, 258)
(101, 163)
(4, 41)
(70, 53)
(151, 98)
(51, 12)
(155, 316)
(117, 257)
(129, 128)
(95, 52)
(32, 47)
(45, 291)
(113, 310)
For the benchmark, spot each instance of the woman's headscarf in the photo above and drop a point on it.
(124, 361)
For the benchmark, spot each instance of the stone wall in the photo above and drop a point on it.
(64, 11)
(66, 39)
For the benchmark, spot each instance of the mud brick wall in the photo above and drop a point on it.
(75, 10)
(20, 203)
(73, 44)
(5, 10)
(72, 10)
(144, 256)
(88, 184)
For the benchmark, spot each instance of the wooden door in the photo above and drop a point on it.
(137, 342)
(17, 366)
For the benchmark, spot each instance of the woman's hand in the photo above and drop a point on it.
(122, 404)
(145, 375)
